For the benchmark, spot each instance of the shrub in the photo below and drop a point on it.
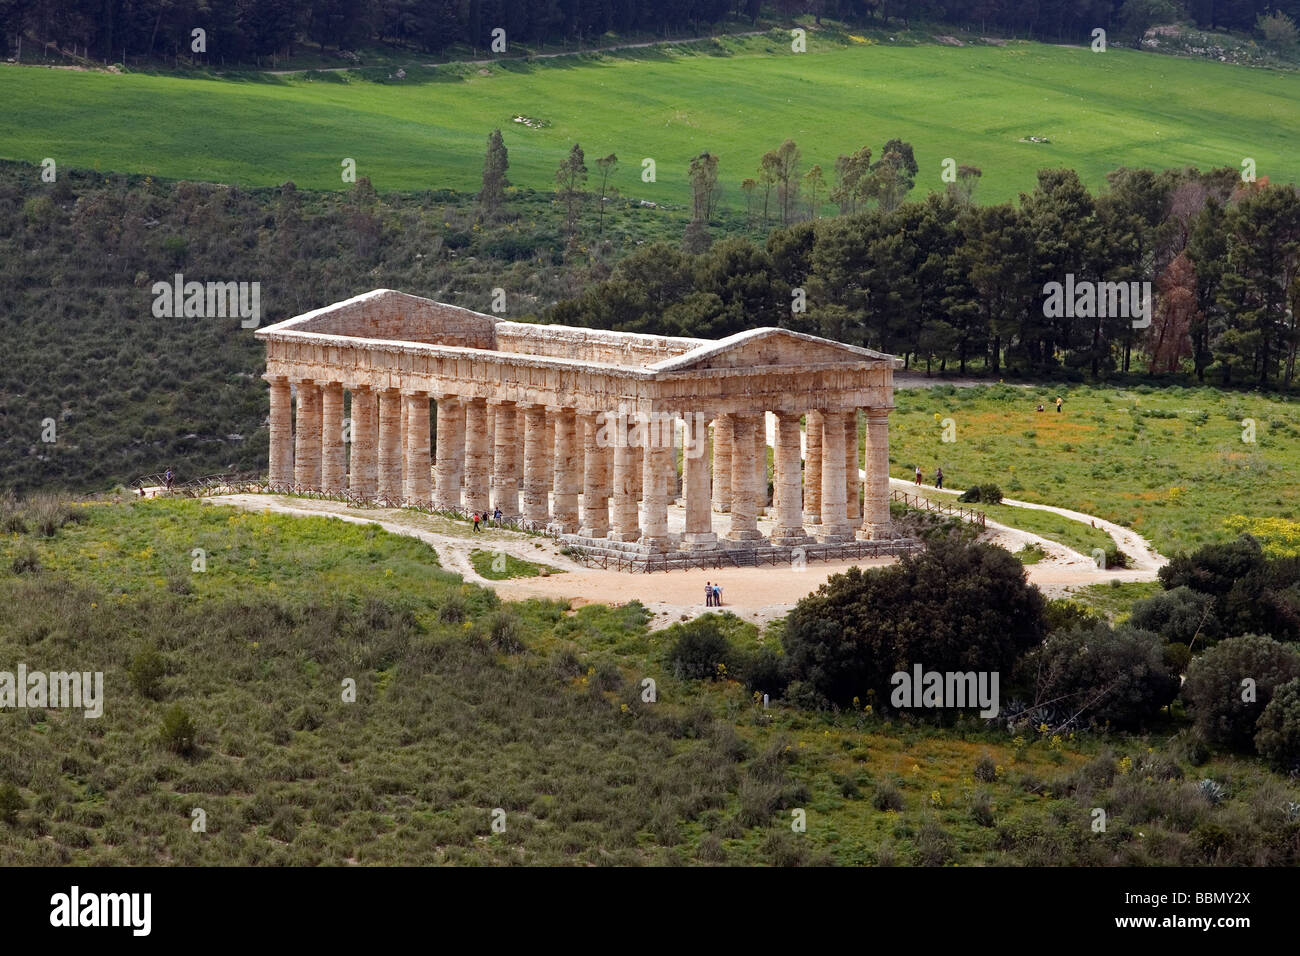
(505, 633)
(1214, 691)
(1278, 734)
(986, 769)
(11, 801)
(988, 494)
(701, 651)
(953, 607)
(453, 608)
(1103, 676)
(887, 797)
(1179, 616)
(26, 560)
(146, 672)
(178, 730)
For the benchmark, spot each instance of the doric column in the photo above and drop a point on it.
(390, 444)
(624, 487)
(307, 451)
(789, 500)
(449, 453)
(505, 480)
(333, 469)
(568, 470)
(760, 465)
(812, 468)
(657, 461)
(722, 463)
(699, 534)
(835, 525)
(362, 477)
(595, 478)
(417, 488)
(852, 465)
(875, 511)
(280, 425)
(519, 451)
(405, 436)
(744, 516)
(478, 455)
(638, 474)
(537, 466)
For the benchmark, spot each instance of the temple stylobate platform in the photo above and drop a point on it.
(582, 432)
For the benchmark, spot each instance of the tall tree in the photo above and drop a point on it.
(495, 163)
(607, 166)
(570, 177)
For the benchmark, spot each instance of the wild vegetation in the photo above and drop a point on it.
(224, 693)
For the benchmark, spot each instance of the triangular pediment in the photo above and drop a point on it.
(774, 347)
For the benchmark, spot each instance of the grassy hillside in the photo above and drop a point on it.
(737, 98)
(1170, 463)
(465, 705)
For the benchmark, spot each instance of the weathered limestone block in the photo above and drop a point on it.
(505, 480)
(626, 527)
(876, 524)
(363, 476)
(654, 496)
(852, 465)
(812, 474)
(390, 444)
(789, 528)
(280, 425)
(451, 413)
(568, 471)
(722, 435)
(307, 450)
(699, 534)
(744, 514)
(333, 451)
(418, 486)
(537, 466)
(595, 480)
(478, 461)
(835, 525)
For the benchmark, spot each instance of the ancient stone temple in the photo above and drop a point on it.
(590, 434)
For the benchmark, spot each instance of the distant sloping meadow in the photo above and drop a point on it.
(979, 105)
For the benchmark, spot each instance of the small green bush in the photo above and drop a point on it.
(178, 730)
(146, 672)
(702, 651)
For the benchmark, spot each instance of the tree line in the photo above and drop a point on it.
(243, 29)
(946, 282)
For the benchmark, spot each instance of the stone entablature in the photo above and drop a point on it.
(528, 420)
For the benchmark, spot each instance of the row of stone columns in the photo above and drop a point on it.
(548, 465)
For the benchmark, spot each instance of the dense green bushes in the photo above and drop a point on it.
(1229, 686)
(953, 607)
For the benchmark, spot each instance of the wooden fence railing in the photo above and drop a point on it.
(925, 504)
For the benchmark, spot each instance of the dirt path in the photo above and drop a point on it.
(755, 594)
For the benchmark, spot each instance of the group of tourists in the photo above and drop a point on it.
(478, 517)
(938, 476)
(712, 595)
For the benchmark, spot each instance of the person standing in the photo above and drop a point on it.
(476, 518)
(918, 474)
(708, 594)
(938, 477)
(717, 595)
(1058, 403)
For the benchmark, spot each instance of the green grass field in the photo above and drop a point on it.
(737, 98)
(1171, 463)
